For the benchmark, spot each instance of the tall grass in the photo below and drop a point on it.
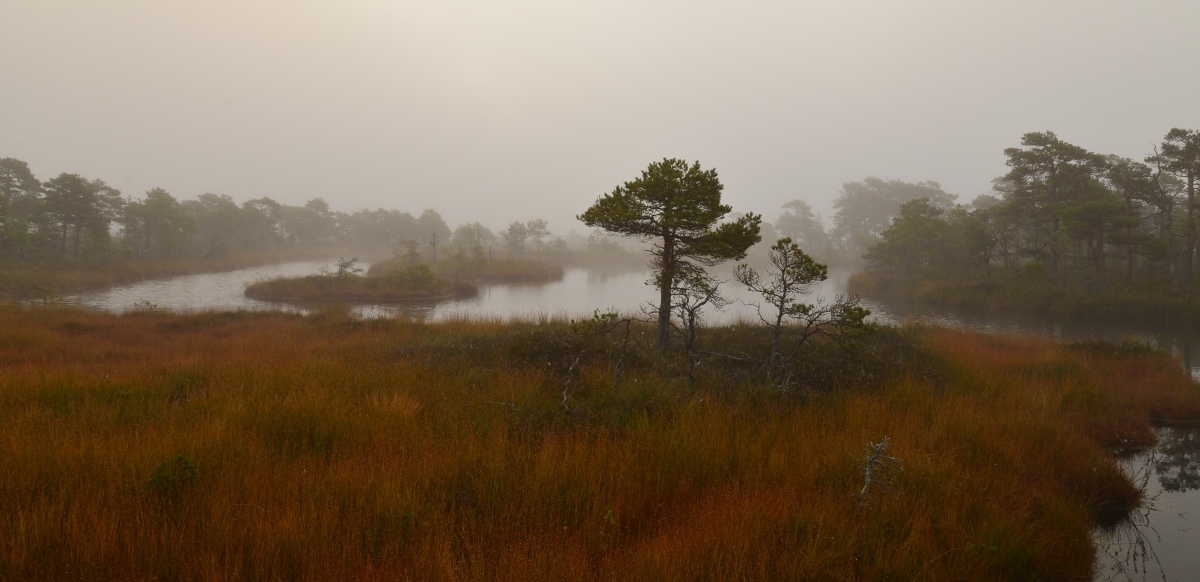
(397, 286)
(326, 447)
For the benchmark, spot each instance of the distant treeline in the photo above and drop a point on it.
(72, 220)
(863, 210)
(1062, 214)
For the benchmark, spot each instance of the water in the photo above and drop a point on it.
(1160, 542)
(210, 291)
(580, 292)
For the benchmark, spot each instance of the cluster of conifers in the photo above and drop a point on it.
(70, 219)
(1064, 214)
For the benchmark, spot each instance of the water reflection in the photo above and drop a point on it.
(1159, 540)
(1127, 549)
(582, 291)
(1178, 464)
(208, 291)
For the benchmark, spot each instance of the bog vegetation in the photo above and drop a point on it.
(277, 446)
(417, 282)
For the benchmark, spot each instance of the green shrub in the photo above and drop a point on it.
(173, 475)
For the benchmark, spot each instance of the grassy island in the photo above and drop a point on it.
(278, 446)
(416, 283)
(481, 271)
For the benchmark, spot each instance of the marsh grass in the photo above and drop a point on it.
(327, 447)
(508, 270)
(416, 283)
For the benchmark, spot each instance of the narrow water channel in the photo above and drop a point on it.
(1160, 542)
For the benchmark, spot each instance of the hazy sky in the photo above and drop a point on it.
(496, 111)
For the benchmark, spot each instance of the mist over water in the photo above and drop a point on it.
(582, 291)
(578, 294)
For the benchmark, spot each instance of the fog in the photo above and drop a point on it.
(496, 111)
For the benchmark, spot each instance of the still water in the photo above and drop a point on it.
(1161, 542)
(581, 291)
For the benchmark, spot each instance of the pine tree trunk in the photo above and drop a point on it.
(1191, 228)
(666, 279)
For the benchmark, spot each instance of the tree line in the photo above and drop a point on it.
(1061, 213)
(73, 220)
(863, 211)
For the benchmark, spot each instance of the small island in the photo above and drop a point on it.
(414, 283)
(508, 270)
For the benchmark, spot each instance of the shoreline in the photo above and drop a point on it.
(1171, 311)
(125, 273)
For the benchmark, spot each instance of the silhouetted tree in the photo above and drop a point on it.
(537, 229)
(679, 207)
(917, 239)
(472, 238)
(799, 223)
(1179, 155)
(156, 226)
(215, 219)
(792, 272)
(865, 209)
(514, 237)
(19, 200)
(1047, 176)
(1134, 183)
(75, 206)
(309, 225)
(694, 290)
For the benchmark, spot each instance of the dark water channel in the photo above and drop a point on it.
(1161, 541)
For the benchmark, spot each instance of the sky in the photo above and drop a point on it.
(499, 111)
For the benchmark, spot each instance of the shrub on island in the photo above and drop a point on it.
(414, 283)
(498, 271)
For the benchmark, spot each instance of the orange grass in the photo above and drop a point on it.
(330, 448)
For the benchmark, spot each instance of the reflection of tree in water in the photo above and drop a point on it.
(1178, 463)
(1127, 548)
